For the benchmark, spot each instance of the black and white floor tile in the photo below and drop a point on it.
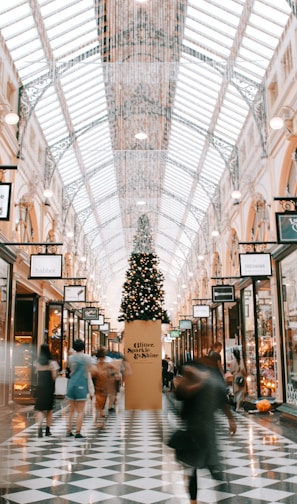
(128, 462)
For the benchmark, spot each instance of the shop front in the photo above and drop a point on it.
(64, 325)
(258, 339)
(5, 316)
(25, 344)
(287, 274)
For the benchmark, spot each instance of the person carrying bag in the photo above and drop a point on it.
(238, 371)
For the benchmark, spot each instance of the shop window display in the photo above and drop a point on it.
(289, 303)
(260, 349)
(57, 333)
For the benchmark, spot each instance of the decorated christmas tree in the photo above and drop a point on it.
(143, 294)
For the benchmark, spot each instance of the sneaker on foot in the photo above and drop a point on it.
(69, 434)
(79, 435)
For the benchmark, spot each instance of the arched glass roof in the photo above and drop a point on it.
(96, 73)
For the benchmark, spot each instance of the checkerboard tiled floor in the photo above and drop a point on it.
(128, 462)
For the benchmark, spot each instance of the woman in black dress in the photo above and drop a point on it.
(47, 370)
(202, 393)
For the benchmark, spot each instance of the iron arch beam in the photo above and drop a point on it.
(252, 93)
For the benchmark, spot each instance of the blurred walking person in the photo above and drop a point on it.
(77, 390)
(46, 373)
(202, 393)
(237, 368)
(101, 375)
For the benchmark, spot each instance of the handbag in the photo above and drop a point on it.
(239, 380)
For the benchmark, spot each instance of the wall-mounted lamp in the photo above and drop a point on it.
(236, 194)
(284, 119)
(48, 193)
(9, 117)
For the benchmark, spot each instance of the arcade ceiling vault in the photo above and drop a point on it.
(185, 74)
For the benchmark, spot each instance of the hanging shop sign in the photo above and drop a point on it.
(185, 324)
(222, 293)
(174, 333)
(46, 266)
(286, 227)
(99, 321)
(255, 264)
(201, 311)
(90, 313)
(75, 293)
(104, 327)
(113, 336)
(5, 194)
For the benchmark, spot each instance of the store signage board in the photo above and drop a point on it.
(99, 321)
(255, 265)
(112, 336)
(222, 293)
(75, 293)
(5, 194)
(90, 313)
(46, 266)
(105, 327)
(201, 311)
(286, 227)
(185, 324)
(174, 333)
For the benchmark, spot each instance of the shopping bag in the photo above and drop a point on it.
(61, 386)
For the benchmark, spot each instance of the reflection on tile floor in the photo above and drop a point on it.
(128, 462)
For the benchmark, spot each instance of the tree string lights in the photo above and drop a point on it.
(143, 294)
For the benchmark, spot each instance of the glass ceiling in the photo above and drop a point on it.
(95, 73)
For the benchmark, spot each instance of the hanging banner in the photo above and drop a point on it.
(286, 227)
(5, 193)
